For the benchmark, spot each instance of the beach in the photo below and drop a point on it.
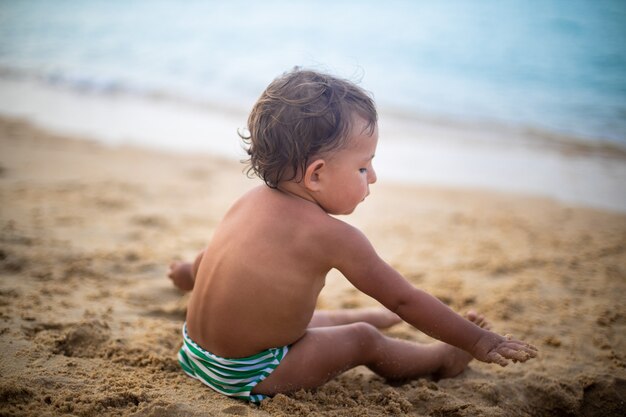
(90, 324)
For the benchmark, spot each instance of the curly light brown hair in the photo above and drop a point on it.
(301, 115)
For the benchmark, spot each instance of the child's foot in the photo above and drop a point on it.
(456, 359)
(181, 275)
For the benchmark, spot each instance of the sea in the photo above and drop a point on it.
(548, 69)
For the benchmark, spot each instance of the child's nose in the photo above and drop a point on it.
(372, 176)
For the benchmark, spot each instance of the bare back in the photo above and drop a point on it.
(258, 282)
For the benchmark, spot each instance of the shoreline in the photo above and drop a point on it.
(90, 325)
(410, 151)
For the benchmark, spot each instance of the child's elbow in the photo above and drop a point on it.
(403, 301)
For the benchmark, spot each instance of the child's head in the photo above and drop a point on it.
(300, 115)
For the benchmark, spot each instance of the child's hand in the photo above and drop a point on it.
(181, 275)
(493, 348)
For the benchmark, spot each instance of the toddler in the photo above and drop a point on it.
(251, 328)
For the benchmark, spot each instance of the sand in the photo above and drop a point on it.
(89, 324)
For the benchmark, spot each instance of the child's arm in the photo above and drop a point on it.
(183, 274)
(434, 318)
(358, 261)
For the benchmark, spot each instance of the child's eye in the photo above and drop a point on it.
(363, 170)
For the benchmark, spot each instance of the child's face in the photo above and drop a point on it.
(349, 172)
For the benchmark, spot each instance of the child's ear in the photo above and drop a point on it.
(312, 175)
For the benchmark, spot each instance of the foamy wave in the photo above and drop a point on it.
(414, 124)
(92, 85)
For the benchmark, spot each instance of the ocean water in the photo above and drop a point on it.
(552, 66)
(525, 96)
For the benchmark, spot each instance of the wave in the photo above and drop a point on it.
(530, 135)
(92, 85)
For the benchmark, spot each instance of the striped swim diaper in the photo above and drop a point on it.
(231, 377)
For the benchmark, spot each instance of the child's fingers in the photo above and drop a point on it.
(522, 346)
(515, 355)
(495, 357)
(517, 351)
(511, 339)
(511, 349)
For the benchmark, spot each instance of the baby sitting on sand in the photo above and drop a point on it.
(252, 329)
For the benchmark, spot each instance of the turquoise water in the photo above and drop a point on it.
(554, 66)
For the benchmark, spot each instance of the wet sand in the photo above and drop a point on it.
(90, 325)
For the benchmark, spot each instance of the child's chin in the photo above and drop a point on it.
(342, 211)
(349, 211)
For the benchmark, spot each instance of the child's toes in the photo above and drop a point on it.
(478, 319)
(471, 315)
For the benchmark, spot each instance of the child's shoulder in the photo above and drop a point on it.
(300, 222)
(291, 210)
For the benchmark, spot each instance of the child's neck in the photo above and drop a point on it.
(297, 190)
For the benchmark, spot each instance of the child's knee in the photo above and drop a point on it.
(367, 334)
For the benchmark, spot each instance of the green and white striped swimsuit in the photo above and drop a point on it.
(232, 377)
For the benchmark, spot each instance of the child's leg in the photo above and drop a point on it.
(376, 316)
(325, 352)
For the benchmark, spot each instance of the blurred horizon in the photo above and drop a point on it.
(556, 66)
(520, 96)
